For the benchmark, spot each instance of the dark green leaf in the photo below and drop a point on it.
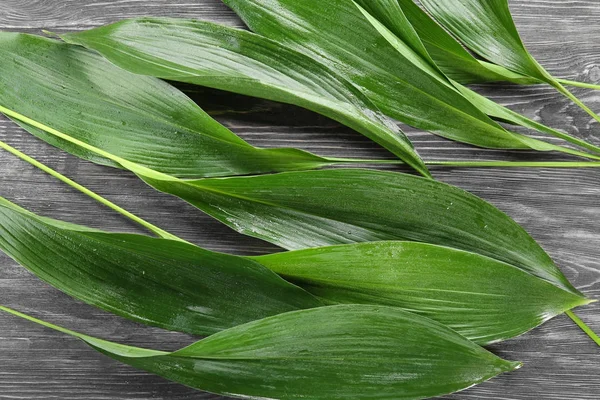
(340, 352)
(141, 119)
(194, 52)
(482, 299)
(181, 287)
(383, 13)
(314, 208)
(298, 210)
(238, 61)
(487, 28)
(159, 282)
(401, 79)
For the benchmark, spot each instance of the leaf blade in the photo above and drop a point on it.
(138, 118)
(239, 61)
(293, 356)
(164, 283)
(482, 299)
(340, 35)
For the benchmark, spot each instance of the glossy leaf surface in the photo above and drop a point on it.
(315, 208)
(391, 22)
(138, 118)
(400, 78)
(238, 61)
(340, 352)
(320, 208)
(159, 282)
(488, 29)
(188, 51)
(452, 58)
(181, 287)
(482, 299)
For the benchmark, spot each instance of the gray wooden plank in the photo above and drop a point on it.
(559, 208)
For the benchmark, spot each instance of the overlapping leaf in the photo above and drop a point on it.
(340, 352)
(452, 58)
(239, 61)
(389, 19)
(194, 52)
(487, 28)
(181, 287)
(303, 209)
(159, 282)
(297, 210)
(319, 208)
(401, 78)
(482, 299)
(138, 118)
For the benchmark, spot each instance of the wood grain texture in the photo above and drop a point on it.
(560, 208)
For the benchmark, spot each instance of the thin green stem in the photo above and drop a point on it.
(40, 322)
(133, 167)
(156, 230)
(584, 327)
(571, 96)
(466, 164)
(579, 84)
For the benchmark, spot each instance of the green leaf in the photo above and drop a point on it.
(452, 58)
(320, 208)
(385, 13)
(482, 299)
(135, 117)
(195, 52)
(487, 28)
(238, 61)
(401, 79)
(165, 283)
(304, 209)
(180, 287)
(340, 352)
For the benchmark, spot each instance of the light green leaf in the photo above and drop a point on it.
(340, 352)
(139, 118)
(159, 282)
(482, 299)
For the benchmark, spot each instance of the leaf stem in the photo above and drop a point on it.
(584, 327)
(487, 163)
(154, 229)
(579, 84)
(571, 96)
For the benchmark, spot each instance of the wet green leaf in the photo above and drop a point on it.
(340, 352)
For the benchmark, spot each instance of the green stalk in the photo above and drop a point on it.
(571, 96)
(480, 164)
(152, 228)
(584, 327)
(579, 84)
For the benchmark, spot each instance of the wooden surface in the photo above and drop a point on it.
(560, 208)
